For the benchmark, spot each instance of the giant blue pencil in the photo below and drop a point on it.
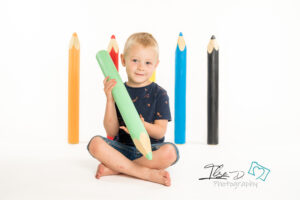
(180, 91)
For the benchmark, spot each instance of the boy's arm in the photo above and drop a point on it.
(158, 129)
(110, 122)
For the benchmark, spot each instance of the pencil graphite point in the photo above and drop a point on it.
(74, 42)
(113, 37)
(181, 42)
(149, 156)
(213, 37)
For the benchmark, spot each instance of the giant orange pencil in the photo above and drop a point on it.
(113, 50)
(73, 96)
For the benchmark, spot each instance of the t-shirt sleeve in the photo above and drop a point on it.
(162, 110)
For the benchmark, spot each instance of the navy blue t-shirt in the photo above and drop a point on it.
(152, 102)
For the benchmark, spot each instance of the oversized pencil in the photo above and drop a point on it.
(113, 50)
(127, 109)
(212, 91)
(73, 90)
(180, 91)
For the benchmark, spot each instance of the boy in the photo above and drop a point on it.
(140, 57)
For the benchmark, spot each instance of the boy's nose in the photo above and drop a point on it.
(141, 67)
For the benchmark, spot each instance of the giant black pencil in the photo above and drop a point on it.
(213, 91)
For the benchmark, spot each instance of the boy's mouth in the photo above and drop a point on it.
(138, 74)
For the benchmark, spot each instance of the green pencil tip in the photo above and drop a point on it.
(149, 156)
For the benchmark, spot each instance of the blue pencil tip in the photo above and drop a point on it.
(180, 34)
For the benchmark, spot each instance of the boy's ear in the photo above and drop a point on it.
(156, 64)
(123, 59)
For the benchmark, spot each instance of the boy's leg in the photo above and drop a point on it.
(116, 161)
(162, 159)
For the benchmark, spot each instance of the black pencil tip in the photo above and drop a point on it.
(213, 37)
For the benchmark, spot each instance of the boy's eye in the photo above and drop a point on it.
(148, 63)
(134, 60)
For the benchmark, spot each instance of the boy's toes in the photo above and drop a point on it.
(166, 178)
(99, 171)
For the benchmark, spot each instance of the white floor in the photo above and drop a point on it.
(65, 171)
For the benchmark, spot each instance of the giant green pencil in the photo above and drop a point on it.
(128, 111)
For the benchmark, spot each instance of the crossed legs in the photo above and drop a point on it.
(113, 162)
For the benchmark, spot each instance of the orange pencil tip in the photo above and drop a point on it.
(75, 34)
(113, 37)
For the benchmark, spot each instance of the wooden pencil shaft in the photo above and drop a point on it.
(73, 90)
(213, 97)
(115, 58)
(180, 92)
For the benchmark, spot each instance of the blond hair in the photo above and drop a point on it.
(144, 39)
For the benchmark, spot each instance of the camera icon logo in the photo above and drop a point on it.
(258, 171)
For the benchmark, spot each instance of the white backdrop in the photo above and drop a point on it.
(258, 83)
(259, 65)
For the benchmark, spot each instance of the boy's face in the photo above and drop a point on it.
(140, 63)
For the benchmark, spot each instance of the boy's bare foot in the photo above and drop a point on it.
(160, 176)
(104, 171)
(154, 175)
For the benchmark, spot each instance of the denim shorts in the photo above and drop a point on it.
(130, 151)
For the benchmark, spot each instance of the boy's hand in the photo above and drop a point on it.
(142, 118)
(126, 130)
(108, 86)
